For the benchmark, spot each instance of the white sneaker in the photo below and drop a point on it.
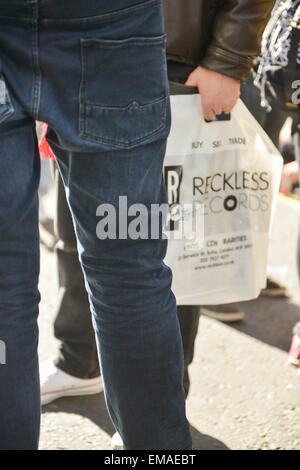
(225, 313)
(116, 442)
(56, 384)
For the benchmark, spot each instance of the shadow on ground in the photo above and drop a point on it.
(205, 442)
(94, 408)
(270, 320)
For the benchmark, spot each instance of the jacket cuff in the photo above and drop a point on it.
(226, 63)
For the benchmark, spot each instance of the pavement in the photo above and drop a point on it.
(244, 394)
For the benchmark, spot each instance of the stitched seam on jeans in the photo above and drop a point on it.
(37, 80)
(105, 16)
(117, 43)
(135, 143)
(124, 108)
(82, 90)
(121, 145)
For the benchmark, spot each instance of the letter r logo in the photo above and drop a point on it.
(173, 177)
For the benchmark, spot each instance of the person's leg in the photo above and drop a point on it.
(19, 237)
(188, 316)
(134, 314)
(77, 355)
(124, 121)
(75, 369)
(19, 269)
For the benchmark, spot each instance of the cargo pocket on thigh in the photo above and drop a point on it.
(124, 91)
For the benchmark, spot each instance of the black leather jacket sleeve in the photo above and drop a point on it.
(236, 37)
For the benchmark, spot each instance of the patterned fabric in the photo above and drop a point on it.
(278, 66)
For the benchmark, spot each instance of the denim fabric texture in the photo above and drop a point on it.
(96, 73)
(77, 353)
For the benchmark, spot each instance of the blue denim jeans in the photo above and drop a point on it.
(96, 74)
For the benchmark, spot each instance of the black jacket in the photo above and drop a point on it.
(221, 35)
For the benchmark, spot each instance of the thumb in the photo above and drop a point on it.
(191, 81)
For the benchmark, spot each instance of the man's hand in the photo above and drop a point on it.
(219, 93)
(290, 175)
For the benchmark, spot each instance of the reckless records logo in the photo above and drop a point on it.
(184, 221)
(243, 190)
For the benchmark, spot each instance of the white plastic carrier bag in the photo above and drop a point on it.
(222, 182)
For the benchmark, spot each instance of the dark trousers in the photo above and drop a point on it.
(271, 122)
(77, 353)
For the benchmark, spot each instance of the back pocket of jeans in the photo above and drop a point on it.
(124, 91)
(6, 108)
